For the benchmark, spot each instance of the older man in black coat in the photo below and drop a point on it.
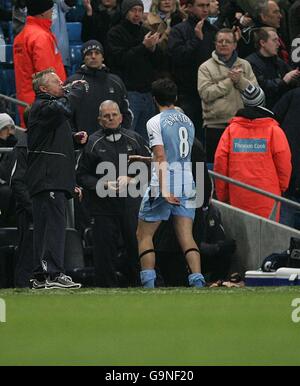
(51, 174)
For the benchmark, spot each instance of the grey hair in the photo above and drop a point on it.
(262, 7)
(108, 102)
(39, 78)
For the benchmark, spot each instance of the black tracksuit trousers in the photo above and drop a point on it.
(106, 234)
(24, 265)
(49, 221)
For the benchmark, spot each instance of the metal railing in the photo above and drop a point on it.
(14, 100)
(259, 191)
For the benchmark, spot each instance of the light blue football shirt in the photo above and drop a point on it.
(175, 131)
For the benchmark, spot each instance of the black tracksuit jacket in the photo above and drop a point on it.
(187, 53)
(102, 86)
(130, 59)
(102, 148)
(51, 158)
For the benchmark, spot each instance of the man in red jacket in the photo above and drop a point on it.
(35, 49)
(254, 150)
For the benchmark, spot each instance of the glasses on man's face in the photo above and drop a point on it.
(224, 42)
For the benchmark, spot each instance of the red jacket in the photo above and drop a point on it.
(35, 49)
(256, 152)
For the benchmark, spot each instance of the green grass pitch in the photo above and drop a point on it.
(159, 327)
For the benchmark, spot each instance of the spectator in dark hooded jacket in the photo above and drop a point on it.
(267, 14)
(273, 75)
(102, 86)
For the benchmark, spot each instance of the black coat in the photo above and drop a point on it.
(5, 15)
(294, 17)
(287, 114)
(102, 86)
(130, 59)
(269, 73)
(187, 53)
(18, 173)
(227, 14)
(98, 25)
(51, 160)
(102, 148)
(246, 45)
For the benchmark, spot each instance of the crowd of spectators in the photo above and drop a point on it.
(237, 80)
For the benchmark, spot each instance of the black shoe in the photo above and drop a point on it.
(35, 284)
(61, 281)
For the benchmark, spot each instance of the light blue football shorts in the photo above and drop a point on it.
(155, 209)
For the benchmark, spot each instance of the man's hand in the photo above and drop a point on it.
(238, 15)
(81, 137)
(171, 199)
(183, 9)
(237, 33)
(246, 20)
(78, 193)
(151, 40)
(88, 7)
(122, 183)
(235, 75)
(69, 86)
(199, 30)
(292, 75)
(111, 185)
(139, 158)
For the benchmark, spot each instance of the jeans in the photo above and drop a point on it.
(191, 106)
(143, 109)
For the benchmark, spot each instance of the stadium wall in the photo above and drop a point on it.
(256, 237)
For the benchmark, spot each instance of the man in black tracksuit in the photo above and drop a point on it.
(102, 86)
(112, 215)
(51, 174)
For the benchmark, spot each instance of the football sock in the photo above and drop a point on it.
(196, 280)
(148, 277)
